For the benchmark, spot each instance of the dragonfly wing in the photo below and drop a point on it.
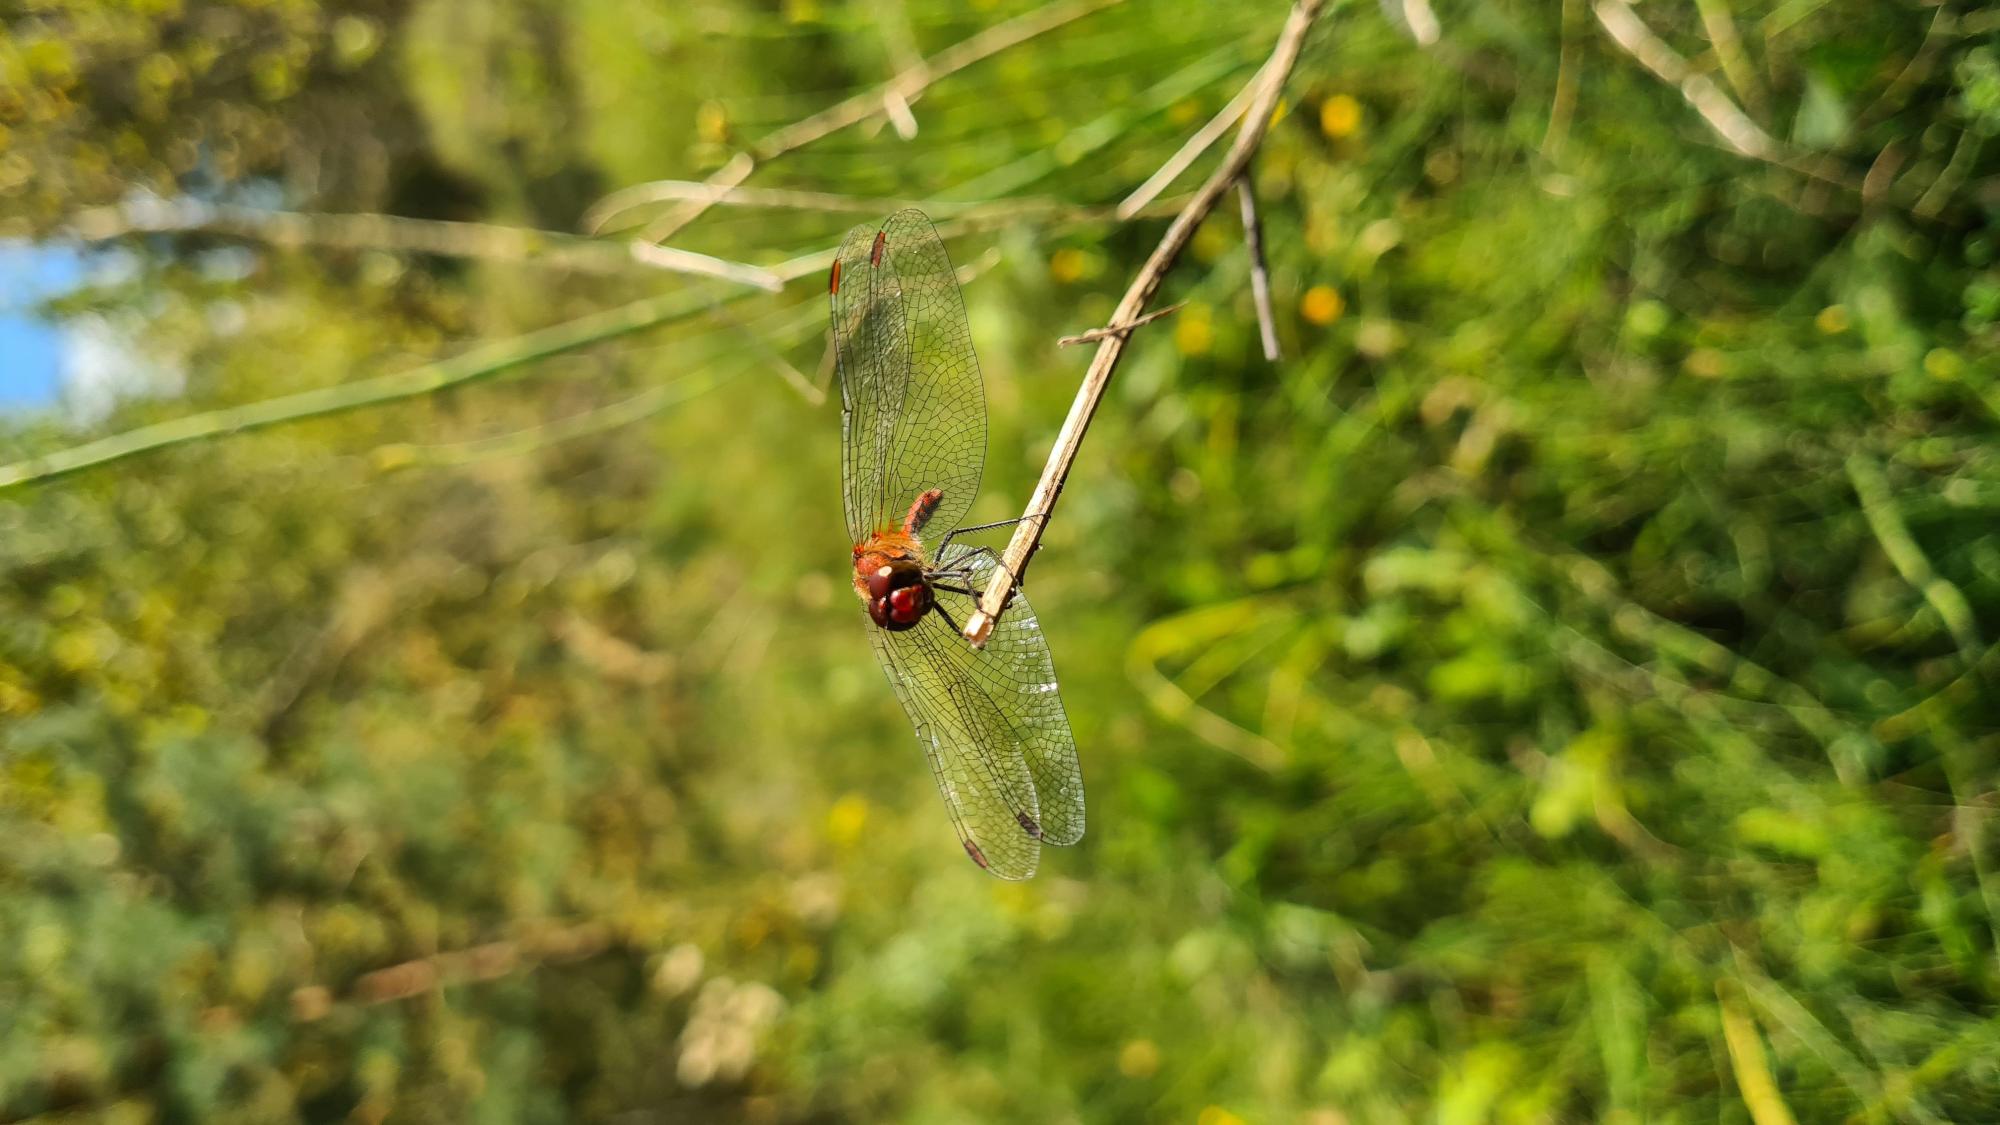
(1017, 672)
(965, 736)
(913, 413)
(991, 723)
(872, 350)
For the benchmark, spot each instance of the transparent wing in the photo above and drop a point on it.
(913, 409)
(991, 723)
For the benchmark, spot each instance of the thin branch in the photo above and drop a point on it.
(674, 191)
(906, 86)
(902, 44)
(1110, 330)
(1736, 66)
(1730, 123)
(1563, 106)
(687, 261)
(1191, 151)
(1260, 274)
(1735, 128)
(1881, 175)
(479, 963)
(490, 241)
(1422, 22)
(899, 114)
(479, 363)
(1270, 82)
(1879, 507)
(1963, 157)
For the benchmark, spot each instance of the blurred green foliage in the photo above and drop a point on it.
(1559, 691)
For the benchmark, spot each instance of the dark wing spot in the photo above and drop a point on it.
(833, 279)
(1028, 825)
(875, 251)
(972, 850)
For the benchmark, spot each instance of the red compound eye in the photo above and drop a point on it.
(878, 582)
(908, 604)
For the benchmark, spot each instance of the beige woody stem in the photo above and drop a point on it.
(1268, 83)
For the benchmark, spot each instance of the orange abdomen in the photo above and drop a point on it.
(921, 511)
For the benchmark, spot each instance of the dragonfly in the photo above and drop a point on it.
(913, 443)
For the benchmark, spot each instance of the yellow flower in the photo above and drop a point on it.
(1322, 304)
(1139, 1058)
(1066, 265)
(1943, 363)
(1832, 320)
(711, 123)
(846, 819)
(1193, 334)
(1339, 116)
(1706, 363)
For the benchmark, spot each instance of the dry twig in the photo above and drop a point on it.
(1736, 65)
(1270, 81)
(1730, 123)
(1110, 330)
(1260, 274)
(1417, 18)
(491, 961)
(976, 213)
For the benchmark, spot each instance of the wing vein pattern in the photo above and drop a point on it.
(913, 407)
(1001, 745)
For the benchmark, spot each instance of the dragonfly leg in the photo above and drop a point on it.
(958, 531)
(995, 556)
(964, 570)
(946, 614)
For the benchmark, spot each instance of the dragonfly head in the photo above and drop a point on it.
(898, 597)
